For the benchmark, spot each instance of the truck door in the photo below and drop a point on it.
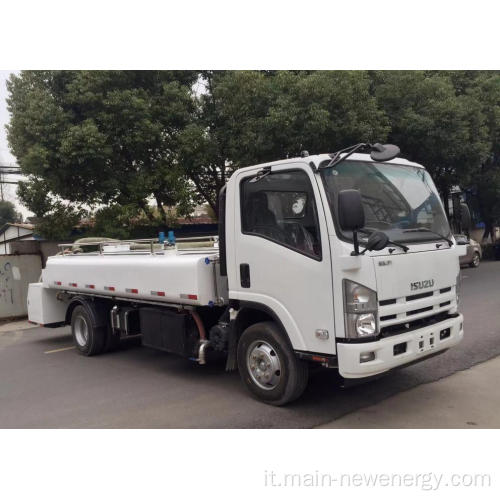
(282, 253)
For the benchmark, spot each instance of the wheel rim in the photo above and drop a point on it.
(476, 260)
(263, 365)
(81, 331)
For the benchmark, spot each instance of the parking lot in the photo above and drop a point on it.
(45, 383)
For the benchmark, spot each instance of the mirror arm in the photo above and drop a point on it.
(355, 243)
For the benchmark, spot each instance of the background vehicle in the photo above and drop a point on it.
(474, 252)
(343, 260)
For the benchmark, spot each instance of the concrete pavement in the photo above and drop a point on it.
(464, 400)
(14, 326)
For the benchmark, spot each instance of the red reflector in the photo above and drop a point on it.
(319, 358)
(109, 288)
(158, 294)
(89, 286)
(57, 283)
(132, 290)
(73, 284)
(192, 297)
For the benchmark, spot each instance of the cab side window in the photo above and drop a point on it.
(281, 207)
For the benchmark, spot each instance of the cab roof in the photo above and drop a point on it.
(318, 159)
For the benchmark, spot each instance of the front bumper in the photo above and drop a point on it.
(419, 344)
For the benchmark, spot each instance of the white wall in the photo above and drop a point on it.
(16, 273)
(4, 248)
(11, 233)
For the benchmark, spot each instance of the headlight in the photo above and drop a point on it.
(360, 310)
(366, 324)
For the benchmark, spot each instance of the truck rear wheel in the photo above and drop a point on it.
(268, 365)
(88, 339)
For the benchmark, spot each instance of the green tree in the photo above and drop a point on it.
(115, 143)
(114, 221)
(484, 87)
(323, 111)
(249, 117)
(435, 125)
(227, 133)
(8, 213)
(94, 138)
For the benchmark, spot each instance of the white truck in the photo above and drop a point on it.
(342, 260)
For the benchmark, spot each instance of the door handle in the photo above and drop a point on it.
(245, 275)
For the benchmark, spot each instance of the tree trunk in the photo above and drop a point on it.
(214, 203)
(488, 223)
(163, 213)
(144, 207)
(446, 201)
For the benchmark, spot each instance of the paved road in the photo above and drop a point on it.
(461, 401)
(140, 387)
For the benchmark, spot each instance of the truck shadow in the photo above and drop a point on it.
(324, 399)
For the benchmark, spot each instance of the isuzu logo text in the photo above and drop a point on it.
(419, 285)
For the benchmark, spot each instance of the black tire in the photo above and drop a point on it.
(291, 381)
(88, 339)
(112, 341)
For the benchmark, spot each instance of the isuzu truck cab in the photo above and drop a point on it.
(343, 260)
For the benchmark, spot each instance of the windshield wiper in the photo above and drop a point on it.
(370, 230)
(424, 229)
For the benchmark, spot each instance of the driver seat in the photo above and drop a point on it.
(259, 217)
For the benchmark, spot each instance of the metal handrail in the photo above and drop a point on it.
(146, 241)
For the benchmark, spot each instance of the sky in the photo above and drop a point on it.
(9, 190)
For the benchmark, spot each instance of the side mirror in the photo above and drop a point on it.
(351, 214)
(465, 217)
(384, 152)
(350, 209)
(377, 241)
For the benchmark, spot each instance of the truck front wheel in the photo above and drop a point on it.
(268, 365)
(88, 339)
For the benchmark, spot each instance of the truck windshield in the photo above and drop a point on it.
(400, 200)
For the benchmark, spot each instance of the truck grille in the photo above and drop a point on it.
(397, 313)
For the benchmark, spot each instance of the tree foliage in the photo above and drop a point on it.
(433, 125)
(8, 213)
(137, 144)
(249, 117)
(96, 138)
(485, 89)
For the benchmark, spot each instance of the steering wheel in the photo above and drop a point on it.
(273, 232)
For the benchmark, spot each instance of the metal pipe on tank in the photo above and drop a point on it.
(199, 325)
(203, 337)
